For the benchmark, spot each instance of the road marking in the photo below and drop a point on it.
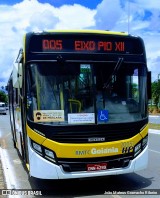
(8, 172)
(154, 151)
(153, 116)
(7, 169)
(154, 131)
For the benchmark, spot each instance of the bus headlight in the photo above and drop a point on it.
(43, 151)
(37, 147)
(137, 149)
(144, 141)
(49, 155)
(140, 146)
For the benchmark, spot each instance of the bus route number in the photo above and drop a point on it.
(52, 44)
(81, 45)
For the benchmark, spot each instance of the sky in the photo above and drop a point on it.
(137, 17)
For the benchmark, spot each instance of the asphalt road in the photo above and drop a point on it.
(17, 178)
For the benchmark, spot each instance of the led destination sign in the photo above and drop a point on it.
(81, 45)
(85, 44)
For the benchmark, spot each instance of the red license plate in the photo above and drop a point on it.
(96, 167)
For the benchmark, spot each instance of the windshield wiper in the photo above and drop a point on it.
(116, 69)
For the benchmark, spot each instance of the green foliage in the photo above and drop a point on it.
(135, 90)
(156, 92)
(154, 126)
(3, 97)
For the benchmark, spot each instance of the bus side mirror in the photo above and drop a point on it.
(149, 93)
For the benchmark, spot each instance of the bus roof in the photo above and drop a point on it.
(49, 43)
(83, 31)
(89, 31)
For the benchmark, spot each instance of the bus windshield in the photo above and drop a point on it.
(86, 93)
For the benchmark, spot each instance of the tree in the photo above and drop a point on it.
(3, 97)
(156, 92)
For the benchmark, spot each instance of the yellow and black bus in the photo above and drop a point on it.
(78, 103)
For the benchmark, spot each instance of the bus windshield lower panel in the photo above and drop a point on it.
(80, 94)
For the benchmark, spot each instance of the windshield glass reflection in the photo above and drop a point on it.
(77, 93)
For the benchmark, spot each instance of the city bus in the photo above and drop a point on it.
(78, 103)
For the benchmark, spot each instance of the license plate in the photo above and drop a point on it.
(96, 167)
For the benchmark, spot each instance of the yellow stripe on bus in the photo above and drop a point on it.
(144, 132)
(35, 136)
(89, 31)
(92, 149)
(88, 150)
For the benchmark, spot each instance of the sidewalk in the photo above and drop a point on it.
(155, 131)
(2, 180)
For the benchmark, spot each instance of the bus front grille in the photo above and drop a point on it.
(89, 133)
(74, 165)
(101, 133)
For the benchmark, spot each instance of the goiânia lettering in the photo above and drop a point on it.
(95, 151)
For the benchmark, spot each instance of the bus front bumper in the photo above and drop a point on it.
(42, 168)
